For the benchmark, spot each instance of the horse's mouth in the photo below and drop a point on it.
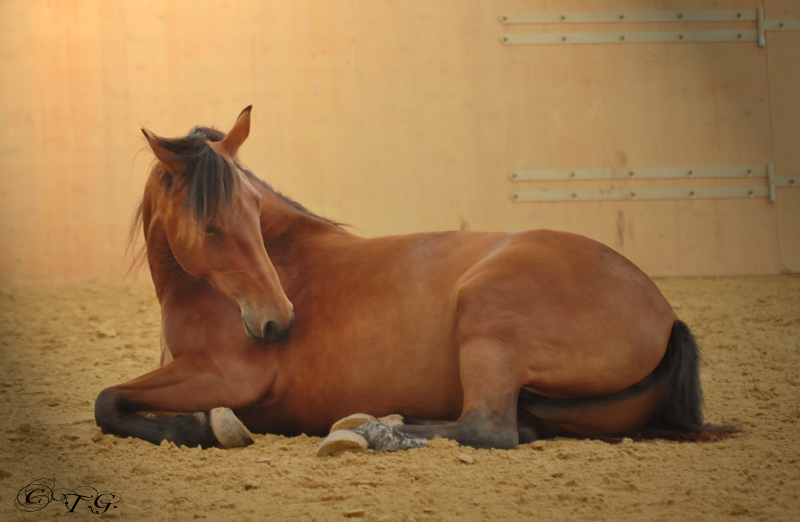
(250, 332)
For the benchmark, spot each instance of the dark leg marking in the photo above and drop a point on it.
(114, 415)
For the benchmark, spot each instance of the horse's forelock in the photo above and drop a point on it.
(208, 178)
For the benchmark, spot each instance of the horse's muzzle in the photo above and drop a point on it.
(271, 332)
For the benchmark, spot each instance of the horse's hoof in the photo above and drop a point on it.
(352, 422)
(342, 441)
(392, 420)
(229, 431)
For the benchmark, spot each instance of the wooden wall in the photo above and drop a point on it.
(392, 116)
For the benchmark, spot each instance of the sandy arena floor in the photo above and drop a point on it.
(61, 345)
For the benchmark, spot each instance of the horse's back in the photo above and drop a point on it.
(584, 320)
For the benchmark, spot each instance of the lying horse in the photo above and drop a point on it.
(292, 322)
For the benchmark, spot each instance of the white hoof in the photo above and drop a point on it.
(229, 431)
(392, 420)
(342, 441)
(352, 422)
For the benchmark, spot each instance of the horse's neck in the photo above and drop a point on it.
(281, 221)
(295, 241)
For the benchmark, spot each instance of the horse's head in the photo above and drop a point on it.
(211, 214)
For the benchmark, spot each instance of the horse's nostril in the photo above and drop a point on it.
(274, 332)
(270, 330)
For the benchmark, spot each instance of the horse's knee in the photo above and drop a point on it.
(106, 409)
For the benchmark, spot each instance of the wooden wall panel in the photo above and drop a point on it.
(784, 82)
(392, 116)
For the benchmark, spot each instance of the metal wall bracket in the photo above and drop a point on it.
(755, 35)
(771, 181)
(765, 172)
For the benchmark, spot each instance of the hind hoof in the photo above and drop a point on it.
(229, 430)
(392, 420)
(352, 422)
(342, 441)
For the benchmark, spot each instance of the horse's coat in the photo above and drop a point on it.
(445, 326)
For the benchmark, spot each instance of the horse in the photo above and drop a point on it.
(277, 320)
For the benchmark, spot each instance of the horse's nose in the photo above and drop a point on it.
(274, 332)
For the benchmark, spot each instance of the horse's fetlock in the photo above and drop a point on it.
(478, 430)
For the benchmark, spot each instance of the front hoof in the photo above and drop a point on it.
(229, 431)
(342, 441)
(352, 422)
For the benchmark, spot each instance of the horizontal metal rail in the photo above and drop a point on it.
(765, 172)
(745, 35)
(747, 171)
(743, 15)
(644, 37)
(644, 194)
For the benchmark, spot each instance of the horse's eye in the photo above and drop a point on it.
(211, 229)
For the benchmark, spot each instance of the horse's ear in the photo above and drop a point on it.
(239, 133)
(165, 156)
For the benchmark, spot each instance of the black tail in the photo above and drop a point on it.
(682, 405)
(680, 415)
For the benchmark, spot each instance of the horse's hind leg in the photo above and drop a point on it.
(189, 384)
(489, 415)
(527, 430)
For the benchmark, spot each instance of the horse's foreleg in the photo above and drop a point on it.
(192, 383)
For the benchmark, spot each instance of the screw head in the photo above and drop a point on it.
(691, 193)
(739, 36)
(513, 175)
(563, 38)
(622, 37)
(680, 15)
(691, 173)
(563, 17)
(572, 174)
(630, 173)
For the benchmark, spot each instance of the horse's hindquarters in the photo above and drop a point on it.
(579, 318)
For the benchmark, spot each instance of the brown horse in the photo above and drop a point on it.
(487, 338)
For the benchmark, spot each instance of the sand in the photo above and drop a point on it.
(61, 345)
